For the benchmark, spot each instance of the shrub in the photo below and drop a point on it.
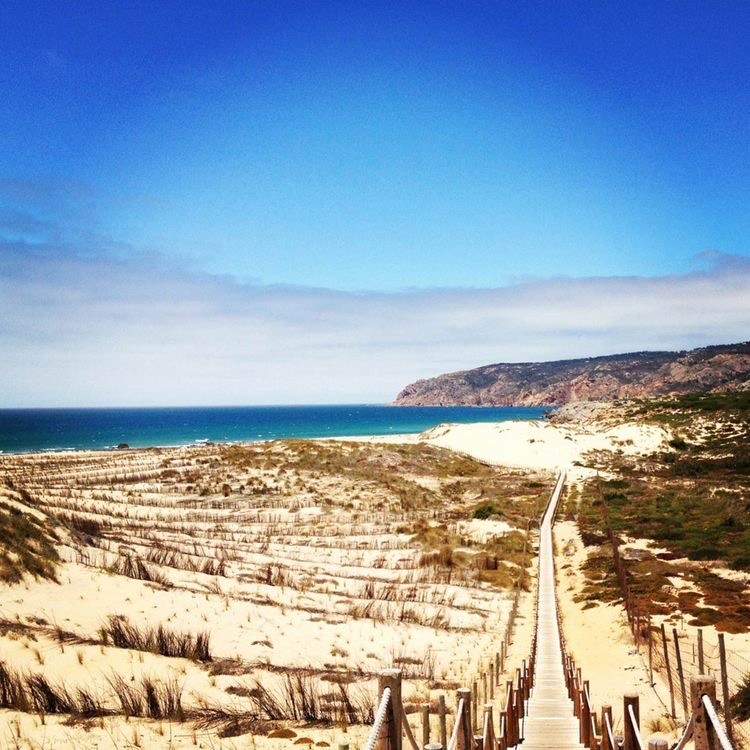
(739, 703)
(483, 511)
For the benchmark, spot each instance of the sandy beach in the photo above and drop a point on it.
(300, 566)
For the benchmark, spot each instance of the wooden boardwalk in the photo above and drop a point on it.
(550, 722)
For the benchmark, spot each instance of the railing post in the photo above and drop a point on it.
(443, 727)
(511, 725)
(425, 724)
(585, 727)
(656, 743)
(704, 735)
(390, 736)
(464, 733)
(629, 731)
(606, 714)
(502, 724)
(488, 729)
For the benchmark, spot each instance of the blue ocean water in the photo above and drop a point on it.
(23, 430)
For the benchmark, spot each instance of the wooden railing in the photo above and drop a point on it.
(391, 725)
(703, 725)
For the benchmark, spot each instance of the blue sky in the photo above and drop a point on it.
(371, 157)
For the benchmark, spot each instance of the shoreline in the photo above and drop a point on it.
(62, 431)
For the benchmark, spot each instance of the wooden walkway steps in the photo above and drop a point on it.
(550, 722)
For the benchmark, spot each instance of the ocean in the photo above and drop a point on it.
(26, 430)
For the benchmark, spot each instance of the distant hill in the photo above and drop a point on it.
(637, 375)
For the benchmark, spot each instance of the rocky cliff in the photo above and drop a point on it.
(638, 375)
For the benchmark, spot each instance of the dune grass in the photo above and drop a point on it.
(26, 546)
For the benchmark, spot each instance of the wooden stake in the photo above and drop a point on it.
(425, 724)
(669, 669)
(701, 669)
(650, 653)
(680, 673)
(474, 704)
(725, 686)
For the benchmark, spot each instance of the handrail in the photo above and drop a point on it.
(636, 728)
(379, 719)
(454, 735)
(718, 729)
(610, 733)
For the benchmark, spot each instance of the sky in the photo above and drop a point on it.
(317, 202)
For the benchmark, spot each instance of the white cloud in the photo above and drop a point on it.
(96, 330)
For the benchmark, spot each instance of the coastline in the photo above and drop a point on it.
(61, 430)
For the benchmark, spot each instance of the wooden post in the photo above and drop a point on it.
(502, 656)
(680, 673)
(465, 733)
(474, 705)
(669, 669)
(441, 715)
(701, 669)
(650, 653)
(390, 735)
(425, 724)
(488, 729)
(485, 695)
(703, 732)
(512, 723)
(491, 669)
(606, 714)
(497, 669)
(584, 731)
(629, 731)
(656, 743)
(725, 686)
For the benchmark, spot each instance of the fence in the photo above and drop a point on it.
(674, 655)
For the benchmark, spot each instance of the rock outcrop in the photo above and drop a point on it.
(638, 375)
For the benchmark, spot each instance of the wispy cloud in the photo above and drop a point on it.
(98, 330)
(92, 322)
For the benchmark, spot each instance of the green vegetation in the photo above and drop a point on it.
(693, 500)
(740, 701)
